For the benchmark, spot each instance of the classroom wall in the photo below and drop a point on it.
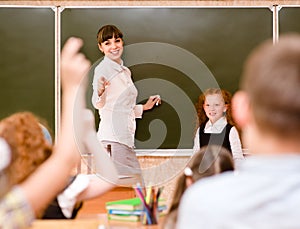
(219, 33)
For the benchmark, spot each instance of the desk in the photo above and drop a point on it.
(89, 222)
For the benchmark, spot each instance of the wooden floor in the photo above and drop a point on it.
(97, 205)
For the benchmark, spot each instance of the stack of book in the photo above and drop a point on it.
(129, 209)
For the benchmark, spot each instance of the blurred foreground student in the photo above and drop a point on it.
(266, 191)
(30, 147)
(215, 123)
(19, 206)
(209, 161)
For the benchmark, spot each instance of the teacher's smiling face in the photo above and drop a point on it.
(112, 48)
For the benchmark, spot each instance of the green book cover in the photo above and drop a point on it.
(125, 204)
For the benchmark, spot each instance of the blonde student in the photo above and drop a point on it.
(215, 124)
(114, 96)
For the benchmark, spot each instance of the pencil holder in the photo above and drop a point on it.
(150, 209)
(150, 217)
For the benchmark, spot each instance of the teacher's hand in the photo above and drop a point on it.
(153, 99)
(102, 85)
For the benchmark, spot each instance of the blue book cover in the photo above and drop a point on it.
(132, 212)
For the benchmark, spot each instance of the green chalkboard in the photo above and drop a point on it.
(177, 53)
(174, 52)
(289, 20)
(27, 62)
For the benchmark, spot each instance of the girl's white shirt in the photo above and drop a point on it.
(216, 128)
(117, 105)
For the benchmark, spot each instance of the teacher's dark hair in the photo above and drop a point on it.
(107, 32)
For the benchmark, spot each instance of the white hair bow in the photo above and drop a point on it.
(5, 154)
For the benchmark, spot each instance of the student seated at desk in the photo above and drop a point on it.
(31, 146)
(209, 161)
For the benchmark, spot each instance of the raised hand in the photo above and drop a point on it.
(74, 65)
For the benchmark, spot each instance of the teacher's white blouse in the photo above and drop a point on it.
(117, 105)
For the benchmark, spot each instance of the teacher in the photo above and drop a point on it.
(114, 95)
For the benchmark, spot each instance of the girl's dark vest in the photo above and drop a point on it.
(215, 139)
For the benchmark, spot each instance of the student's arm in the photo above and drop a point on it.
(235, 144)
(96, 187)
(196, 146)
(82, 188)
(51, 177)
